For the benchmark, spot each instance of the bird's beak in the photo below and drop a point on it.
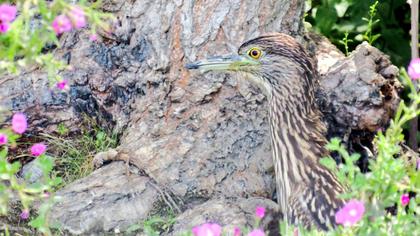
(222, 63)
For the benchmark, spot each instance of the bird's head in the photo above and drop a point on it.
(271, 61)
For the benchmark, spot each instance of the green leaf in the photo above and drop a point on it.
(56, 181)
(341, 8)
(3, 153)
(334, 144)
(325, 18)
(359, 37)
(329, 163)
(62, 129)
(46, 163)
(133, 228)
(354, 157)
(100, 136)
(14, 167)
(38, 222)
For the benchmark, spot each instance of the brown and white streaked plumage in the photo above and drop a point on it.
(307, 192)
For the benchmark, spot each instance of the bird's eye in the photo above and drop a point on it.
(255, 53)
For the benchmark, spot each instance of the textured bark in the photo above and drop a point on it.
(231, 213)
(197, 137)
(101, 200)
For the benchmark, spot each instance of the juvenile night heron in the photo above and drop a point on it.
(307, 192)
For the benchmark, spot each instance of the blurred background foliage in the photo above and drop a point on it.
(390, 26)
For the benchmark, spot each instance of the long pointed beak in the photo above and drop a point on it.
(222, 63)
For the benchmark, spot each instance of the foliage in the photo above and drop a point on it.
(32, 38)
(362, 20)
(371, 21)
(11, 186)
(74, 154)
(29, 33)
(155, 225)
(345, 42)
(71, 161)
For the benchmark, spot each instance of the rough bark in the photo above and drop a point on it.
(101, 200)
(201, 139)
(231, 213)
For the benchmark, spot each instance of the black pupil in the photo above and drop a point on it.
(254, 53)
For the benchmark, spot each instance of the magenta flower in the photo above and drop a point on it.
(7, 12)
(3, 139)
(77, 16)
(418, 164)
(207, 229)
(38, 149)
(61, 24)
(62, 85)
(236, 231)
(7, 15)
(414, 69)
(25, 214)
(19, 123)
(46, 195)
(405, 199)
(93, 37)
(260, 212)
(350, 214)
(256, 232)
(4, 27)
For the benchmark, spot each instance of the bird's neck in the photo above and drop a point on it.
(298, 134)
(297, 138)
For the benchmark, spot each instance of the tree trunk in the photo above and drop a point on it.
(200, 141)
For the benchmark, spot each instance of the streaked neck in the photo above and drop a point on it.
(294, 124)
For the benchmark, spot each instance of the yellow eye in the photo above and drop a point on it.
(255, 53)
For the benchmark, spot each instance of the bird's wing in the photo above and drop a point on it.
(314, 205)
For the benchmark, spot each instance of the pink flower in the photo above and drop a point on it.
(260, 212)
(418, 164)
(3, 139)
(46, 195)
(350, 214)
(7, 12)
(7, 15)
(61, 24)
(25, 214)
(62, 85)
(38, 149)
(77, 16)
(414, 69)
(19, 123)
(4, 27)
(256, 232)
(207, 230)
(236, 231)
(93, 37)
(405, 199)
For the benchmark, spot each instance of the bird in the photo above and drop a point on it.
(307, 192)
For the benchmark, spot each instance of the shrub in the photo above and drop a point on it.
(29, 31)
(362, 20)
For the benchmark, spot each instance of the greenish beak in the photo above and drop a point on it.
(223, 63)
